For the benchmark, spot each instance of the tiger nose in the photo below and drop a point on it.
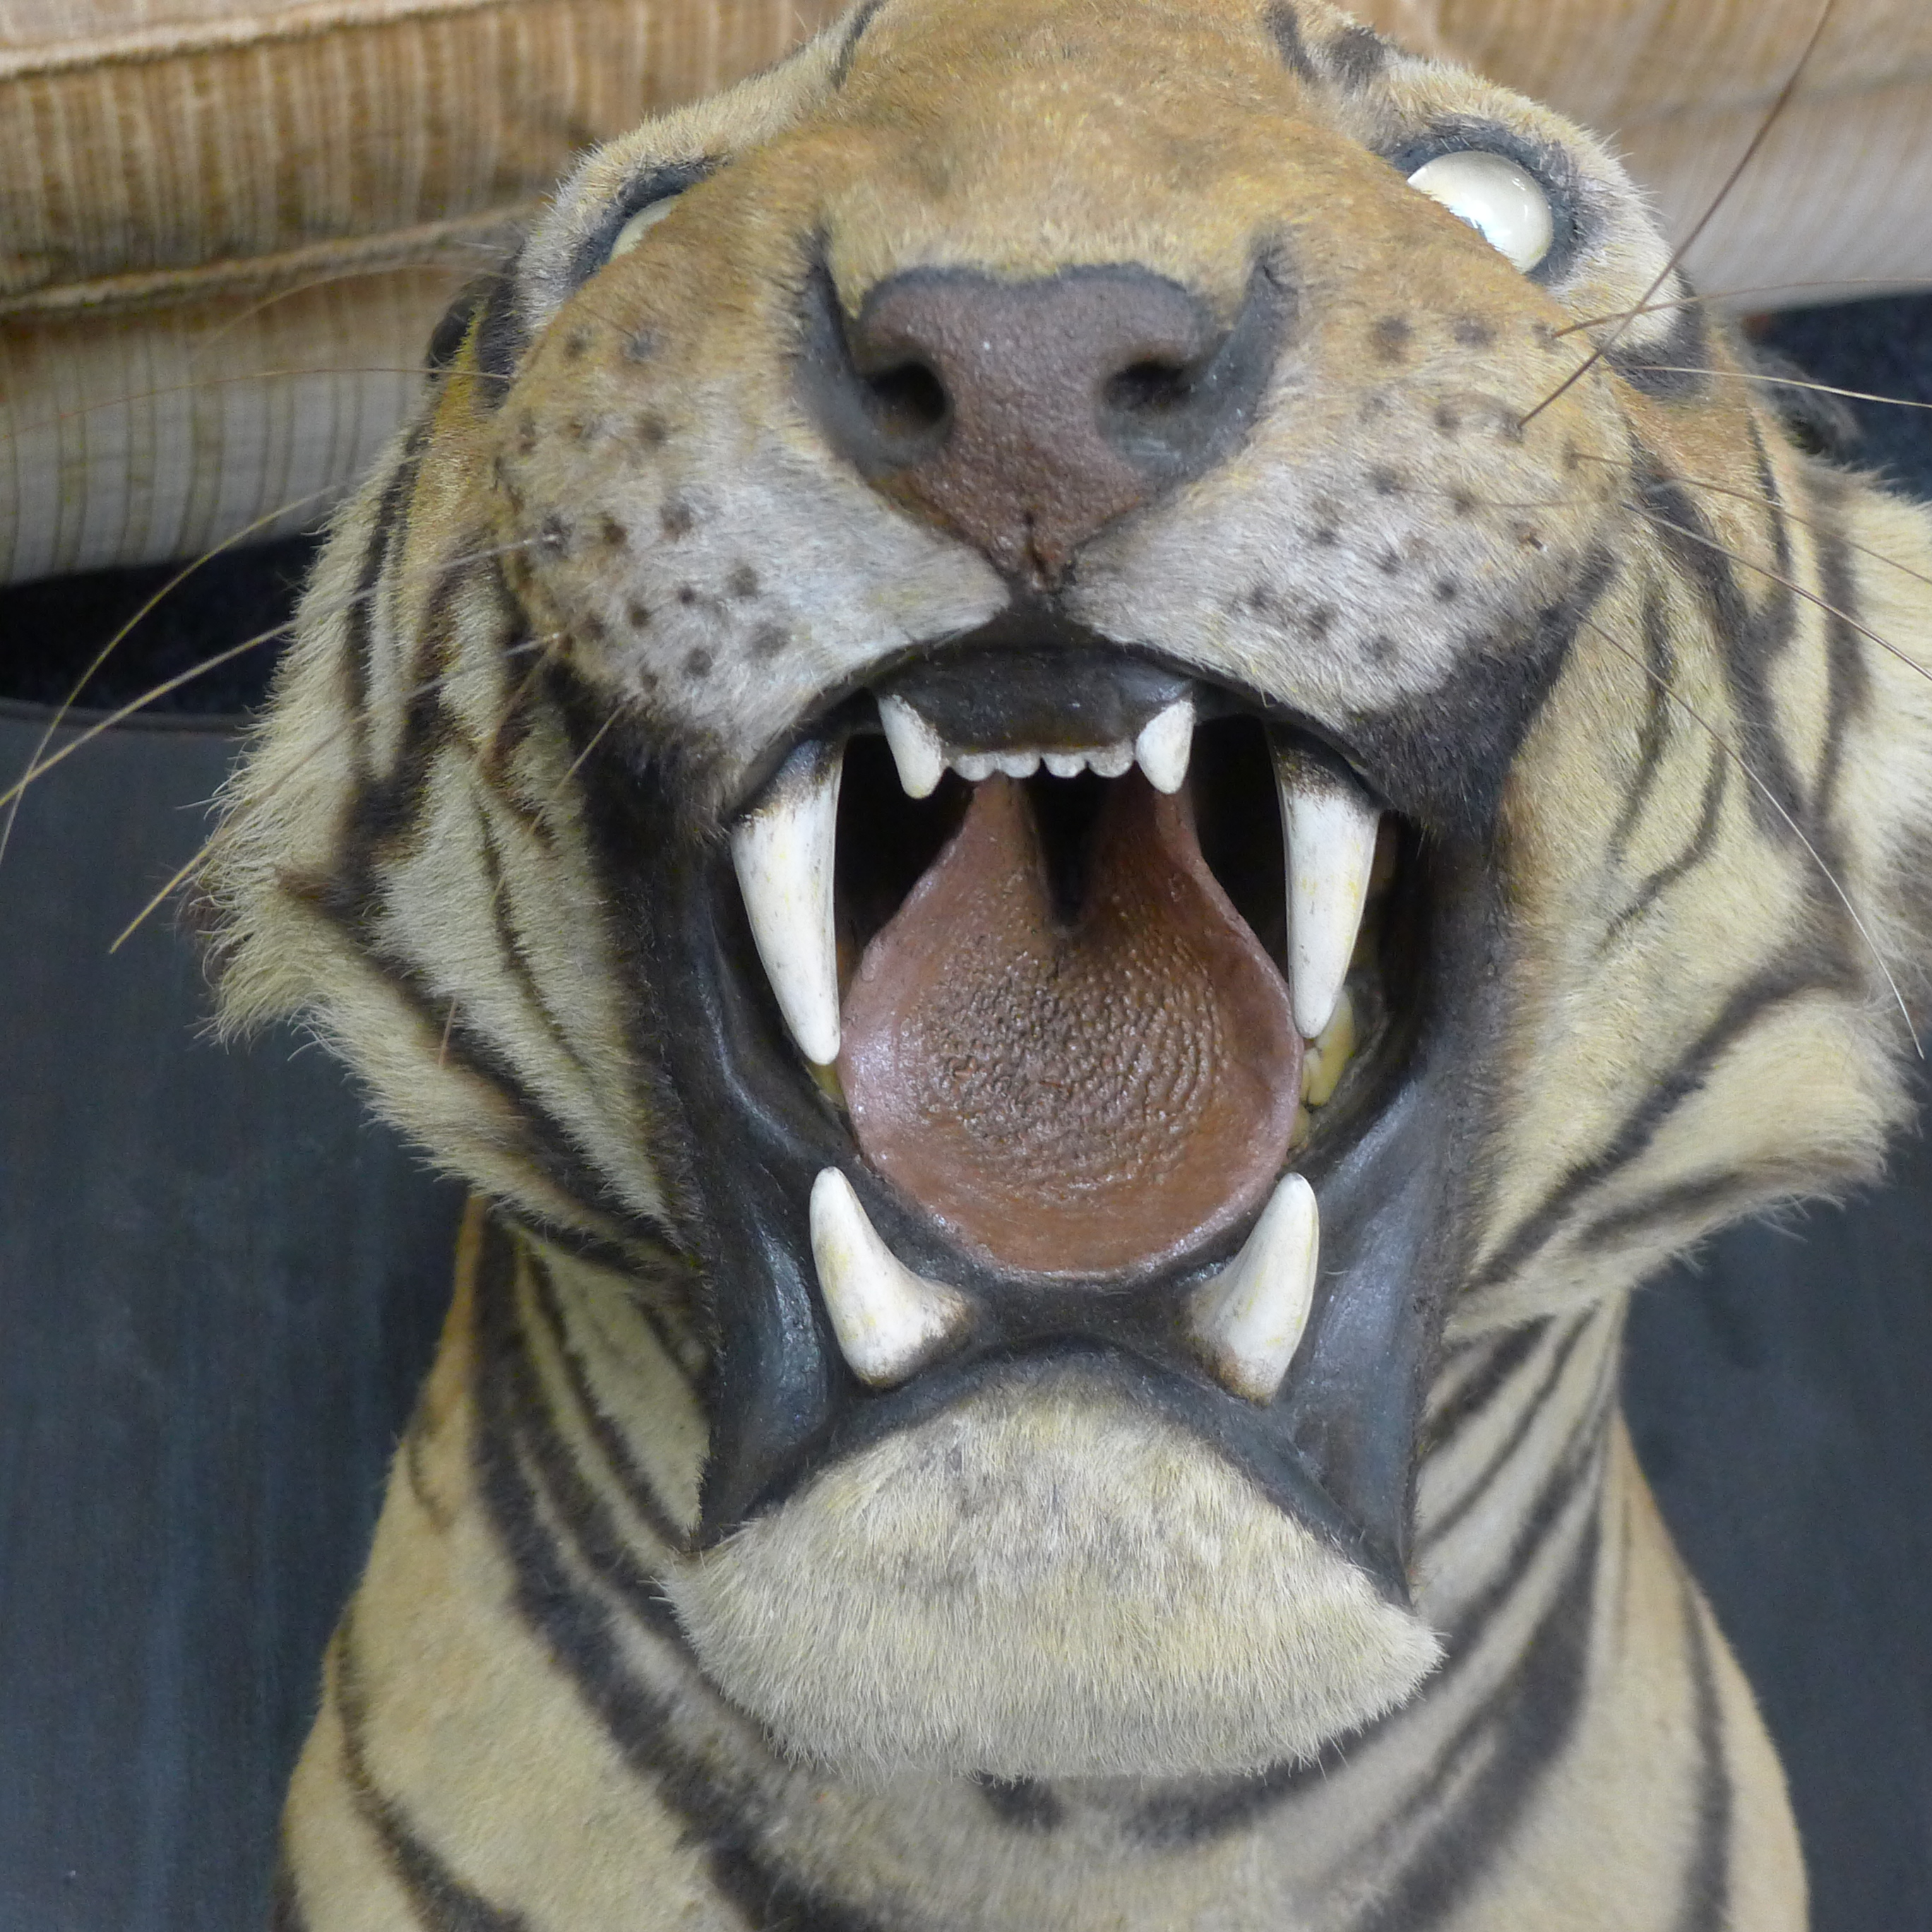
(1026, 416)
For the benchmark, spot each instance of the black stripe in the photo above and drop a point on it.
(1698, 850)
(580, 1635)
(1849, 676)
(500, 339)
(1705, 1197)
(382, 821)
(1707, 1878)
(1750, 643)
(1782, 596)
(543, 1143)
(1198, 1810)
(842, 67)
(638, 1260)
(514, 955)
(359, 633)
(285, 1906)
(1023, 1803)
(1358, 55)
(439, 1900)
(514, 724)
(1676, 367)
(1285, 26)
(1660, 661)
(1578, 1464)
(1543, 1699)
(1508, 1354)
(638, 1489)
(383, 817)
(525, 1415)
(1797, 973)
(452, 329)
(1531, 1411)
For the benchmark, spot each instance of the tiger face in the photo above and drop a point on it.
(1096, 721)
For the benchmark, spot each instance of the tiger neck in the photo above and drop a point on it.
(604, 1372)
(548, 1488)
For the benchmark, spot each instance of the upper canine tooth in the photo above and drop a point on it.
(783, 852)
(1330, 824)
(915, 747)
(888, 1320)
(1111, 761)
(1248, 1320)
(1164, 744)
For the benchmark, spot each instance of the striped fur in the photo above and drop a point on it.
(1648, 680)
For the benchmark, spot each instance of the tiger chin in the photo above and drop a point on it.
(1095, 758)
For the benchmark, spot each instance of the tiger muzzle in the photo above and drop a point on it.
(1055, 1004)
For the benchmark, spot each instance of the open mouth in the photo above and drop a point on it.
(1081, 950)
(1051, 1007)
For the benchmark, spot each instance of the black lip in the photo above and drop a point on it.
(1334, 1448)
(1047, 669)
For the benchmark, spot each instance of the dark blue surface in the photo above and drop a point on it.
(219, 1287)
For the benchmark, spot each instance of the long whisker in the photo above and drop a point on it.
(107, 649)
(1744, 765)
(1761, 502)
(183, 873)
(1785, 95)
(425, 265)
(1896, 284)
(590, 745)
(1797, 589)
(122, 713)
(1787, 382)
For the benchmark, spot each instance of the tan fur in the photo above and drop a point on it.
(1035, 1558)
(1044, 1582)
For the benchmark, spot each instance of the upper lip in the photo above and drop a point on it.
(1334, 1446)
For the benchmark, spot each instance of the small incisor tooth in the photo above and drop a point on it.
(1165, 743)
(915, 745)
(889, 1322)
(1329, 824)
(1248, 1320)
(783, 852)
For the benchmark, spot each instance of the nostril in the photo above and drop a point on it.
(1155, 387)
(909, 403)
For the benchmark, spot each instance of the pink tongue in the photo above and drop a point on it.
(1072, 1099)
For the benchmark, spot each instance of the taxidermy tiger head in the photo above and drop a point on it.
(1089, 725)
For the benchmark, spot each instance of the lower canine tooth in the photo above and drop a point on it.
(1165, 743)
(783, 852)
(1327, 1059)
(915, 747)
(1248, 1320)
(888, 1320)
(1329, 822)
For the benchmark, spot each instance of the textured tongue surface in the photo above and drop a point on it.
(1073, 1094)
